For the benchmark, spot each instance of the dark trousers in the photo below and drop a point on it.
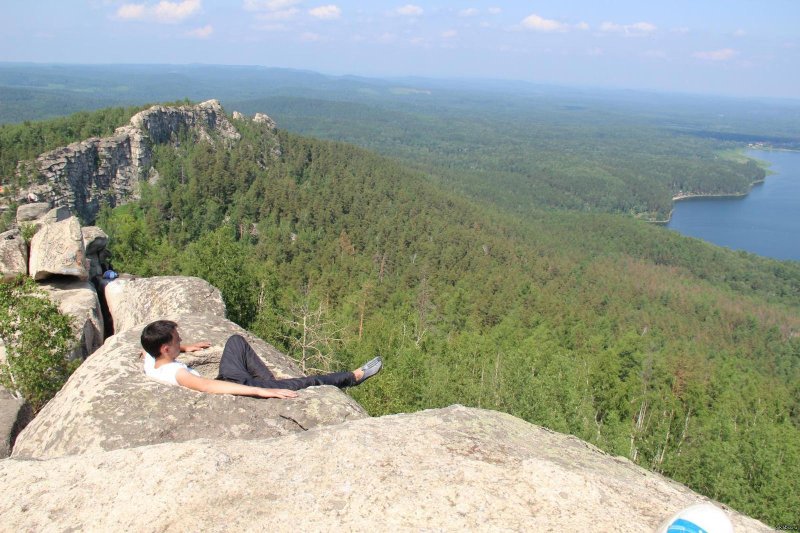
(240, 364)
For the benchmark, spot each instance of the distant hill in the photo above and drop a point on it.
(518, 145)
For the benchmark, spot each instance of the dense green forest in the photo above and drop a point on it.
(679, 355)
(533, 152)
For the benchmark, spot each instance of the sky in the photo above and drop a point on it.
(732, 47)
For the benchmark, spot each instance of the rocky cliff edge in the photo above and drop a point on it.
(88, 174)
(453, 469)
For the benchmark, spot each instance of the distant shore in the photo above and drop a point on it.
(688, 196)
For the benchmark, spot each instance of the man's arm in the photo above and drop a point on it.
(196, 346)
(215, 386)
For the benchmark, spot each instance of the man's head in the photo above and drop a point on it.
(157, 334)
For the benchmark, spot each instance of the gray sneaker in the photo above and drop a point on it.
(370, 368)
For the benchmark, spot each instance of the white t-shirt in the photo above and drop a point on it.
(165, 373)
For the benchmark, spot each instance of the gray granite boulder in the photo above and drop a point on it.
(453, 469)
(261, 118)
(78, 299)
(94, 239)
(13, 254)
(57, 214)
(14, 416)
(57, 250)
(142, 300)
(29, 212)
(108, 403)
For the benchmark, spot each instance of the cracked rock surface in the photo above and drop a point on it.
(452, 469)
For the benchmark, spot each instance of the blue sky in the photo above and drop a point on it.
(734, 47)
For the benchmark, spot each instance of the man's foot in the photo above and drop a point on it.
(370, 368)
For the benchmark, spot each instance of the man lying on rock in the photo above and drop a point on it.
(241, 371)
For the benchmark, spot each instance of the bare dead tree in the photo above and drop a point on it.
(318, 337)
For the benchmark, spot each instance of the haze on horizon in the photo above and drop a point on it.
(735, 48)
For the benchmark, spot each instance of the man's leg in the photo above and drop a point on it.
(240, 364)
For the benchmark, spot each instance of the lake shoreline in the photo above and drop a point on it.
(762, 220)
(688, 196)
(691, 196)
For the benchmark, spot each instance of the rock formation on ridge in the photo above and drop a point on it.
(86, 174)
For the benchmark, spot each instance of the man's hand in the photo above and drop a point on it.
(202, 345)
(277, 393)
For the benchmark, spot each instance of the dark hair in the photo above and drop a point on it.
(156, 334)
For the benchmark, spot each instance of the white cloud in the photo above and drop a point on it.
(449, 34)
(268, 5)
(310, 37)
(281, 14)
(164, 12)
(723, 54)
(637, 29)
(201, 33)
(595, 51)
(495, 10)
(469, 12)
(644, 27)
(739, 33)
(409, 10)
(582, 26)
(328, 12)
(537, 23)
(131, 11)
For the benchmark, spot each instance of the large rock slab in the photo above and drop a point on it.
(94, 239)
(78, 299)
(57, 250)
(14, 416)
(29, 212)
(108, 403)
(453, 469)
(13, 254)
(133, 301)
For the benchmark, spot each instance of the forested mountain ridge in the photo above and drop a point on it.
(521, 146)
(682, 356)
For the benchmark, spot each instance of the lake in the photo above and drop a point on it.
(765, 222)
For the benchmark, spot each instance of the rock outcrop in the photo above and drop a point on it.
(261, 118)
(13, 254)
(87, 174)
(135, 301)
(453, 469)
(57, 250)
(28, 212)
(109, 403)
(14, 415)
(95, 241)
(78, 300)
